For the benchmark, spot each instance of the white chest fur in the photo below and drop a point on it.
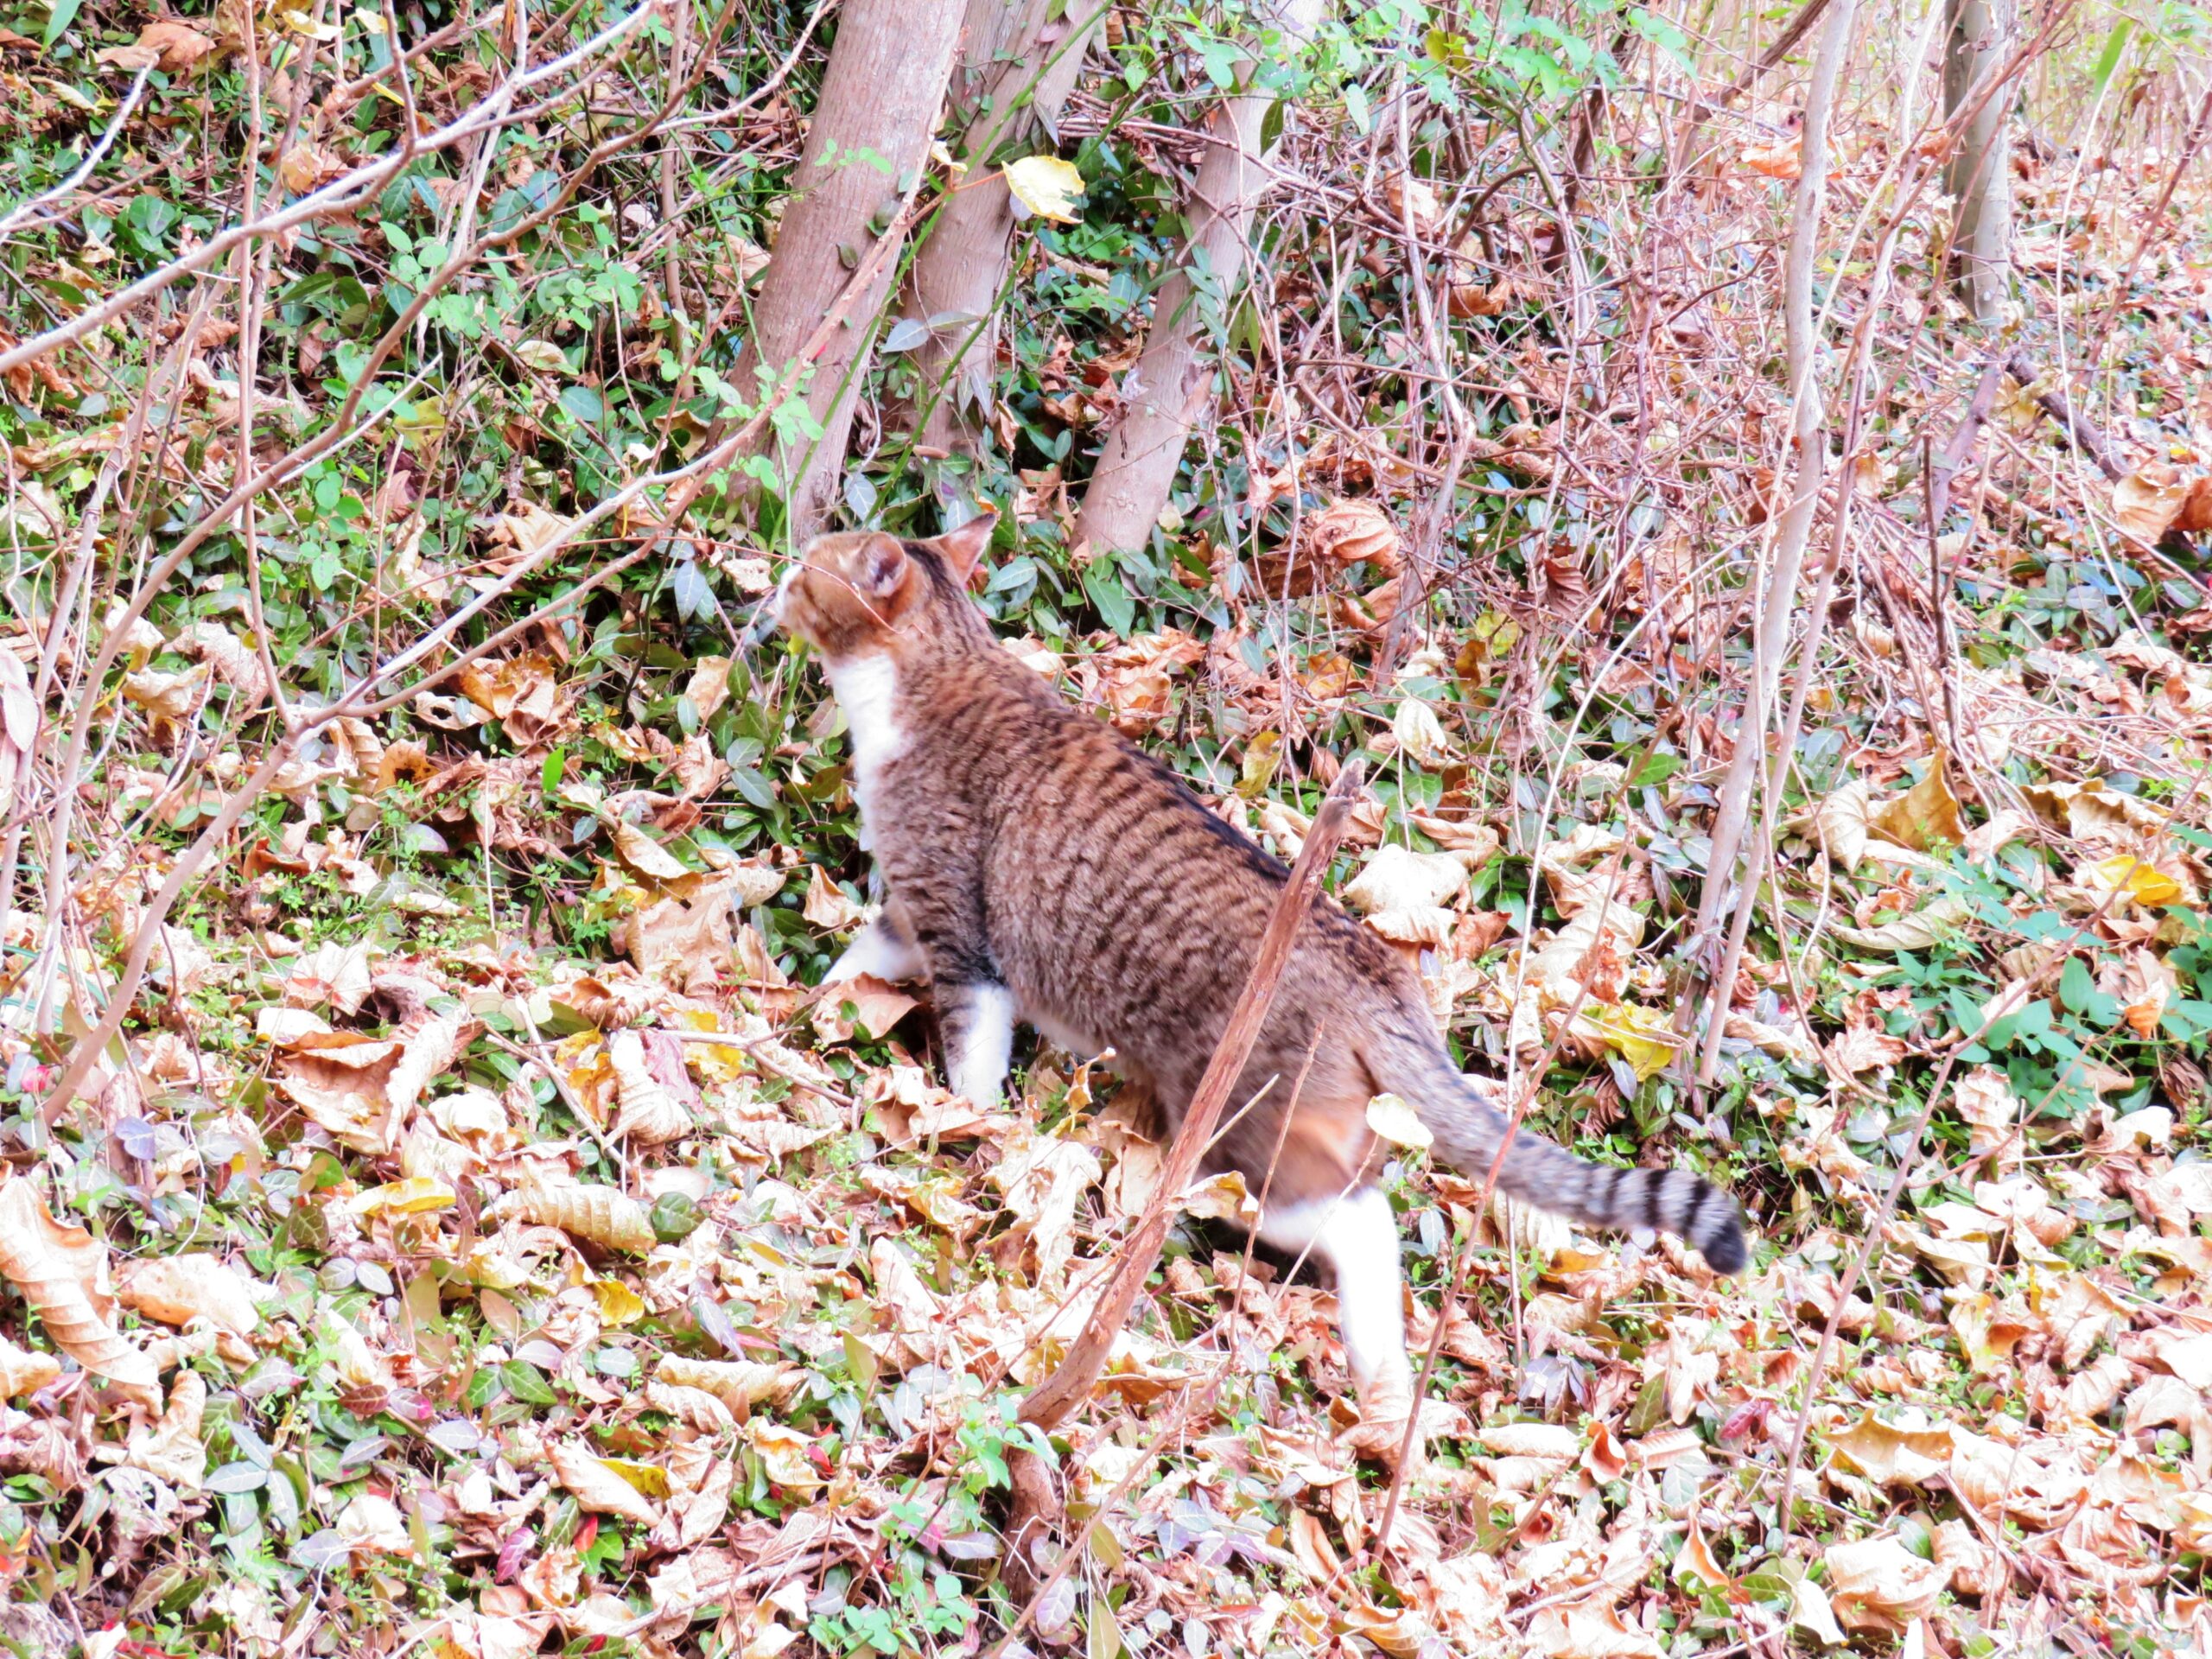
(867, 688)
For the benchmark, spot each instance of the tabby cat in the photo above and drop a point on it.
(1037, 867)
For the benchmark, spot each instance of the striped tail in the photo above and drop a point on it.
(1467, 1127)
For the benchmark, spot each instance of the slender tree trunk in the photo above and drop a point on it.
(880, 98)
(1019, 63)
(1173, 380)
(1981, 175)
(1808, 458)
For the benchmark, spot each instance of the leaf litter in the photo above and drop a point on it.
(400, 1282)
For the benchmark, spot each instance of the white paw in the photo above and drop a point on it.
(984, 1093)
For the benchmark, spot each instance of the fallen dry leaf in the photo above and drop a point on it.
(177, 1289)
(2148, 501)
(1394, 1121)
(828, 907)
(1351, 532)
(1878, 1584)
(598, 1214)
(877, 1006)
(22, 1371)
(372, 1525)
(1042, 1176)
(599, 1484)
(1783, 161)
(651, 1114)
(170, 1449)
(738, 1384)
(1925, 817)
(166, 43)
(62, 1272)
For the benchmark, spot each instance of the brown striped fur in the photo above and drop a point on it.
(1038, 865)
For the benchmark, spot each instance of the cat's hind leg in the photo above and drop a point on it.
(1355, 1233)
(976, 1019)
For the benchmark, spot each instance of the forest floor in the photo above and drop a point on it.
(480, 1239)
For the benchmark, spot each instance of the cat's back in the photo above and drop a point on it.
(1065, 791)
(1118, 905)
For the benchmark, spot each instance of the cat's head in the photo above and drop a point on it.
(855, 591)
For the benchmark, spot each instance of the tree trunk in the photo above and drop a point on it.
(1979, 178)
(880, 98)
(1173, 380)
(1809, 453)
(1018, 64)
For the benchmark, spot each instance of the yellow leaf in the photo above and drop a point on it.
(1046, 186)
(1263, 753)
(416, 1195)
(300, 20)
(2139, 879)
(715, 1062)
(1924, 816)
(603, 1484)
(618, 1303)
(1644, 1037)
(650, 1478)
(1222, 1198)
(1392, 1120)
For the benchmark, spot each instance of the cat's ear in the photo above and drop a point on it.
(964, 548)
(881, 566)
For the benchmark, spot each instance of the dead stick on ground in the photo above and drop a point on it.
(1962, 446)
(1707, 950)
(1070, 1384)
(2052, 400)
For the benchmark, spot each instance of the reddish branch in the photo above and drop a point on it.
(1070, 1385)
